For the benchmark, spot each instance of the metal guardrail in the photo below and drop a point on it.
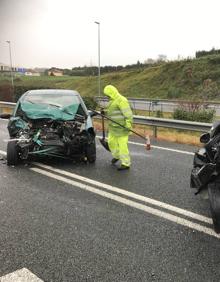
(6, 107)
(172, 123)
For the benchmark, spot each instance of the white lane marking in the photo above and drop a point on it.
(129, 194)
(130, 203)
(164, 148)
(21, 275)
(3, 153)
(160, 148)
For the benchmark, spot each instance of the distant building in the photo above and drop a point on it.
(55, 72)
(32, 73)
(17, 71)
(21, 70)
(6, 68)
(28, 73)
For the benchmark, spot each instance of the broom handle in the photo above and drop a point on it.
(103, 128)
(103, 116)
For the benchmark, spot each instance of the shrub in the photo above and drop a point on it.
(173, 93)
(180, 114)
(6, 93)
(17, 79)
(209, 90)
(159, 114)
(202, 53)
(200, 115)
(215, 60)
(204, 115)
(90, 102)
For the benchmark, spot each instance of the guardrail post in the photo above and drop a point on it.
(155, 131)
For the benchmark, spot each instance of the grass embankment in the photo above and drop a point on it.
(180, 80)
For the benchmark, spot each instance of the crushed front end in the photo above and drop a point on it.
(48, 137)
(52, 123)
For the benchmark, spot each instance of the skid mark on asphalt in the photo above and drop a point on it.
(128, 202)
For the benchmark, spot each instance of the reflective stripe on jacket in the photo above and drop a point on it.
(118, 109)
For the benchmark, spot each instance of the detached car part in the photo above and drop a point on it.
(51, 123)
(205, 174)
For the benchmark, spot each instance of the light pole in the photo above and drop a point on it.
(99, 78)
(12, 81)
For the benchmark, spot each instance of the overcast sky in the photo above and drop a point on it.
(62, 33)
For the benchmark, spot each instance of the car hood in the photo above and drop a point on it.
(42, 111)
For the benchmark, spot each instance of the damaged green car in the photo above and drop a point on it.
(53, 123)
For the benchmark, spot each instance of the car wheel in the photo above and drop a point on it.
(214, 198)
(91, 151)
(12, 153)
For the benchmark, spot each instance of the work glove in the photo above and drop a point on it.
(103, 112)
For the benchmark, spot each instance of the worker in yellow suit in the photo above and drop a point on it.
(119, 110)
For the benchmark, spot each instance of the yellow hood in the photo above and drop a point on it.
(111, 92)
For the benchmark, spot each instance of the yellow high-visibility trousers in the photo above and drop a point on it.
(119, 148)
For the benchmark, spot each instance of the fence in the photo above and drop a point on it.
(162, 105)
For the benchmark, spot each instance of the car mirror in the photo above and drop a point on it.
(5, 116)
(204, 138)
(91, 113)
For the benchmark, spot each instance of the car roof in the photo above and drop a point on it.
(52, 91)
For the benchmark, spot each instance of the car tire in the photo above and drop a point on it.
(214, 199)
(12, 153)
(91, 151)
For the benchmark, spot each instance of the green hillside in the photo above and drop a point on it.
(196, 78)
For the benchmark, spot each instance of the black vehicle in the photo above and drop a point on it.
(51, 123)
(206, 171)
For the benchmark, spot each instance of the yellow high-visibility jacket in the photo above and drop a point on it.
(118, 109)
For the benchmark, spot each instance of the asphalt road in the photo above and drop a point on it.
(66, 221)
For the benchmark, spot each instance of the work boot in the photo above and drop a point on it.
(114, 161)
(123, 167)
